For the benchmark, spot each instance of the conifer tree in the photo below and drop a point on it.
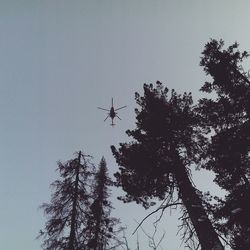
(100, 229)
(165, 143)
(227, 114)
(68, 207)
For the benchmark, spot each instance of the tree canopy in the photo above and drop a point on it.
(167, 140)
(79, 211)
(228, 153)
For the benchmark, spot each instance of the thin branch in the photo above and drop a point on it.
(155, 211)
(151, 239)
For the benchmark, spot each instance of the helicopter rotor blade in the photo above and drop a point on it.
(118, 117)
(103, 109)
(120, 108)
(106, 118)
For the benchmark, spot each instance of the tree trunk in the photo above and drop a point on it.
(206, 234)
(98, 217)
(72, 236)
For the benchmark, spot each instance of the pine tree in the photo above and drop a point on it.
(227, 115)
(100, 229)
(69, 204)
(165, 143)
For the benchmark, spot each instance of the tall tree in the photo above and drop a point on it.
(69, 203)
(100, 229)
(227, 114)
(165, 143)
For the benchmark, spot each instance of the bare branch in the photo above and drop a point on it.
(162, 207)
(152, 243)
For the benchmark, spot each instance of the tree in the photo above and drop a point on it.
(227, 115)
(69, 204)
(166, 142)
(100, 229)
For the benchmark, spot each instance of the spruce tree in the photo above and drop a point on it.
(100, 230)
(68, 207)
(166, 142)
(227, 115)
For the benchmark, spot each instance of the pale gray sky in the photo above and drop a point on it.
(61, 59)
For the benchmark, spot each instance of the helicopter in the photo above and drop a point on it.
(112, 112)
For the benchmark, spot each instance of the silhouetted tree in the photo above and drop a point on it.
(166, 142)
(100, 230)
(68, 207)
(227, 115)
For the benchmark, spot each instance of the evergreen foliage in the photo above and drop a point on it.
(69, 204)
(226, 113)
(166, 141)
(79, 211)
(100, 229)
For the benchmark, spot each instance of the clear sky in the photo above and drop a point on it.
(60, 59)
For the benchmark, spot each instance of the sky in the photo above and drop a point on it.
(60, 60)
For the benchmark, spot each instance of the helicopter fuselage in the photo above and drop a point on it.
(112, 113)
